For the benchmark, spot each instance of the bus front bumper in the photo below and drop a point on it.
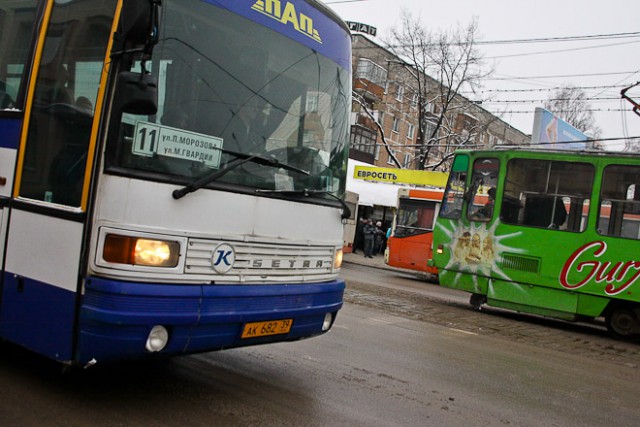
(117, 317)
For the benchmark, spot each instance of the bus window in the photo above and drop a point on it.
(16, 22)
(483, 181)
(66, 88)
(547, 194)
(279, 103)
(456, 188)
(414, 217)
(620, 202)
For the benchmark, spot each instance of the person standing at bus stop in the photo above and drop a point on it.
(369, 233)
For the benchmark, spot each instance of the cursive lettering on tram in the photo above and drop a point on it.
(618, 276)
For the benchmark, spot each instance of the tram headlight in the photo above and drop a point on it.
(337, 259)
(138, 251)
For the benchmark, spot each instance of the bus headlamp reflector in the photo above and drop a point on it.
(138, 251)
(157, 340)
(337, 261)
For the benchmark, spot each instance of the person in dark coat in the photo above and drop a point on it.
(369, 233)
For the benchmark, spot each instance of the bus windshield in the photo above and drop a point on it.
(414, 217)
(229, 85)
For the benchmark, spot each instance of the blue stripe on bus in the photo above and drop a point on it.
(116, 316)
(10, 132)
(330, 40)
(38, 316)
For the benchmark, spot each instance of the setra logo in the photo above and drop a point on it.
(301, 22)
(223, 258)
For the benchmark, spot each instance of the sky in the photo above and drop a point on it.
(525, 74)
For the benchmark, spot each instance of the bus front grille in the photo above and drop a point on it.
(261, 262)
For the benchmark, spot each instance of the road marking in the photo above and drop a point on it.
(454, 331)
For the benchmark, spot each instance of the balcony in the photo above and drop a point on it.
(369, 80)
(363, 143)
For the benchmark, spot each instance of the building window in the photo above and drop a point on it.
(400, 93)
(429, 129)
(407, 161)
(411, 131)
(396, 125)
(389, 159)
(414, 100)
(312, 102)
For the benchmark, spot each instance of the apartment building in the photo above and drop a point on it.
(387, 103)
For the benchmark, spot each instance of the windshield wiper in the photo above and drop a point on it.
(346, 212)
(240, 159)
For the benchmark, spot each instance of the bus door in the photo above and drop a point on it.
(17, 22)
(45, 234)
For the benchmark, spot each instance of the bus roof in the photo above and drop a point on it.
(330, 13)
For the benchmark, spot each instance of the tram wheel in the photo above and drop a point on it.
(623, 323)
(477, 300)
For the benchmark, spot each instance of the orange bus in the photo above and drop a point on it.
(409, 245)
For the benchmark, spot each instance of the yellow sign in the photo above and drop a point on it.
(401, 176)
(301, 22)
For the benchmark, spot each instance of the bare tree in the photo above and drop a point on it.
(441, 65)
(571, 104)
(363, 104)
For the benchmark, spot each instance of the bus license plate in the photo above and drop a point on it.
(262, 329)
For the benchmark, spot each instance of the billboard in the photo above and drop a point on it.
(401, 176)
(550, 131)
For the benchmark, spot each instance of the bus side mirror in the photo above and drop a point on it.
(137, 93)
(138, 21)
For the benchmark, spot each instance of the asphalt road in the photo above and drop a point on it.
(397, 356)
(407, 295)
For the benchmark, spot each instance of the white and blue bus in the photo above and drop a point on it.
(172, 174)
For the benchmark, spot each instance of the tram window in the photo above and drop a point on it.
(456, 189)
(547, 194)
(619, 211)
(483, 181)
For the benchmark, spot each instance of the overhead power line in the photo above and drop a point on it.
(547, 89)
(497, 113)
(546, 52)
(524, 101)
(557, 76)
(564, 39)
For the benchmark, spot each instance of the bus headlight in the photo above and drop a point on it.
(138, 251)
(337, 259)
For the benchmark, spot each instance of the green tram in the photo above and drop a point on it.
(548, 232)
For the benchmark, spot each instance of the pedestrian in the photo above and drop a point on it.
(379, 238)
(369, 232)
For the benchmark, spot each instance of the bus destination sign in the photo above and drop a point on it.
(154, 139)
